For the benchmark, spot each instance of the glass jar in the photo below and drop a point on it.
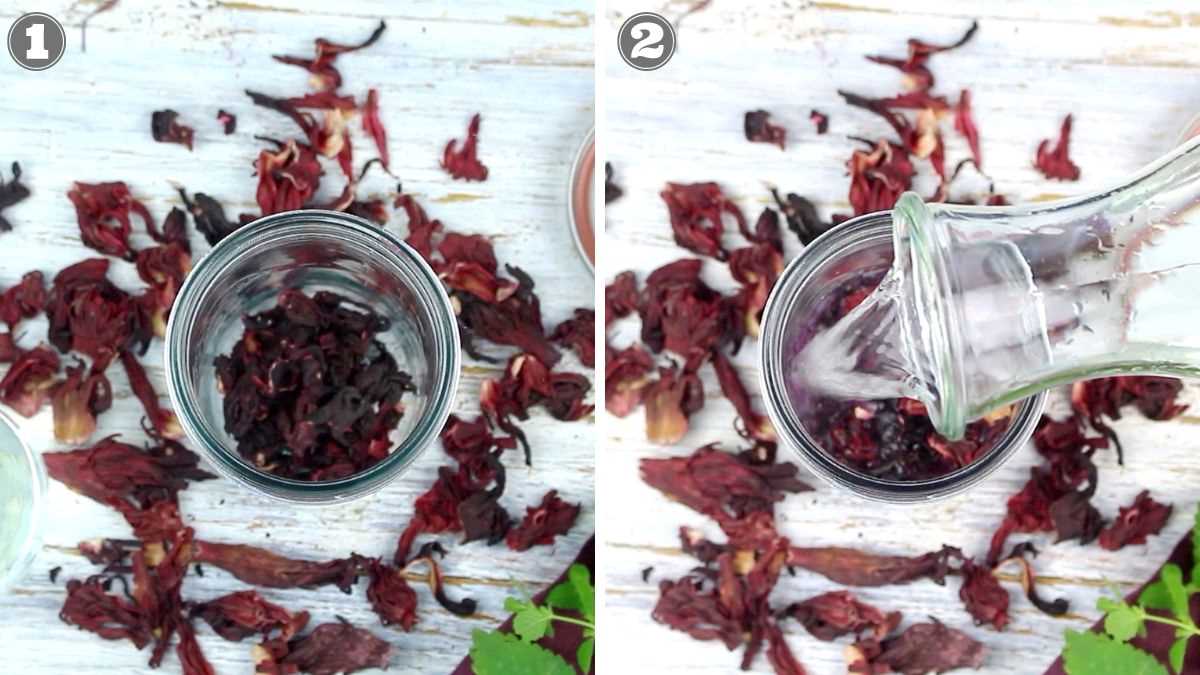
(312, 250)
(858, 246)
(22, 504)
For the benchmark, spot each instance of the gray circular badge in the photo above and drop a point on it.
(646, 41)
(36, 41)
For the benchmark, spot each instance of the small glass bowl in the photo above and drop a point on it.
(312, 250)
(581, 200)
(860, 245)
(22, 504)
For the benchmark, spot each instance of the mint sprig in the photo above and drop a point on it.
(1166, 601)
(497, 653)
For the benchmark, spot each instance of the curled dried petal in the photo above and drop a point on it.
(391, 597)
(1135, 522)
(102, 211)
(831, 615)
(758, 129)
(260, 567)
(985, 599)
(463, 163)
(29, 380)
(626, 374)
(579, 334)
(109, 616)
(853, 567)
(240, 615)
(690, 206)
(1055, 163)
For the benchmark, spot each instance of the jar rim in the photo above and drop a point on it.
(853, 235)
(395, 253)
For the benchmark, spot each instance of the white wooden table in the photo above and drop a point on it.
(1128, 73)
(526, 65)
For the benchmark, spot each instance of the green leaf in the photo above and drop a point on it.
(532, 623)
(515, 605)
(1122, 621)
(563, 596)
(1095, 654)
(1155, 597)
(502, 654)
(1178, 650)
(584, 655)
(1172, 578)
(580, 578)
(1196, 548)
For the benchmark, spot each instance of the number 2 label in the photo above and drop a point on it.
(649, 37)
(37, 42)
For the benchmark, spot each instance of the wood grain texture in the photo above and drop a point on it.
(526, 65)
(1128, 74)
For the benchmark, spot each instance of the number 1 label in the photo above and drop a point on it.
(37, 42)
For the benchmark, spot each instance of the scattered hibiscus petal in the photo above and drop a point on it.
(330, 649)
(1055, 163)
(964, 124)
(462, 163)
(111, 617)
(758, 129)
(612, 191)
(626, 374)
(102, 211)
(542, 523)
(831, 615)
(690, 206)
(324, 76)
(670, 401)
(11, 193)
(820, 120)
(373, 126)
(209, 217)
(29, 380)
(228, 121)
(620, 297)
(985, 599)
(1135, 522)
(111, 469)
(76, 403)
(260, 567)
(390, 596)
(165, 127)
(853, 567)
(579, 334)
(921, 648)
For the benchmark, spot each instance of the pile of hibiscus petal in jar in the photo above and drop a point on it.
(685, 324)
(134, 589)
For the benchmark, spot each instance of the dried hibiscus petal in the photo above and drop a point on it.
(720, 484)
(878, 177)
(240, 615)
(801, 215)
(157, 523)
(260, 567)
(471, 443)
(462, 607)
(29, 380)
(165, 127)
(1055, 163)
(228, 121)
(421, 229)
(373, 126)
(515, 321)
(985, 599)
(114, 470)
(612, 191)
(458, 501)
(670, 401)
(579, 334)
(89, 315)
(163, 268)
(681, 313)
(161, 419)
(25, 300)
(332, 648)
(620, 297)
(191, 657)
(921, 648)
(820, 120)
(853, 567)
(77, 401)
(390, 596)
(324, 76)
(754, 425)
(831, 615)
(330, 392)
(1135, 522)
(102, 211)
(690, 206)
(626, 374)
(542, 523)
(111, 617)
(462, 163)
(209, 217)
(964, 124)
(691, 605)
(758, 129)
(12, 192)
(287, 178)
